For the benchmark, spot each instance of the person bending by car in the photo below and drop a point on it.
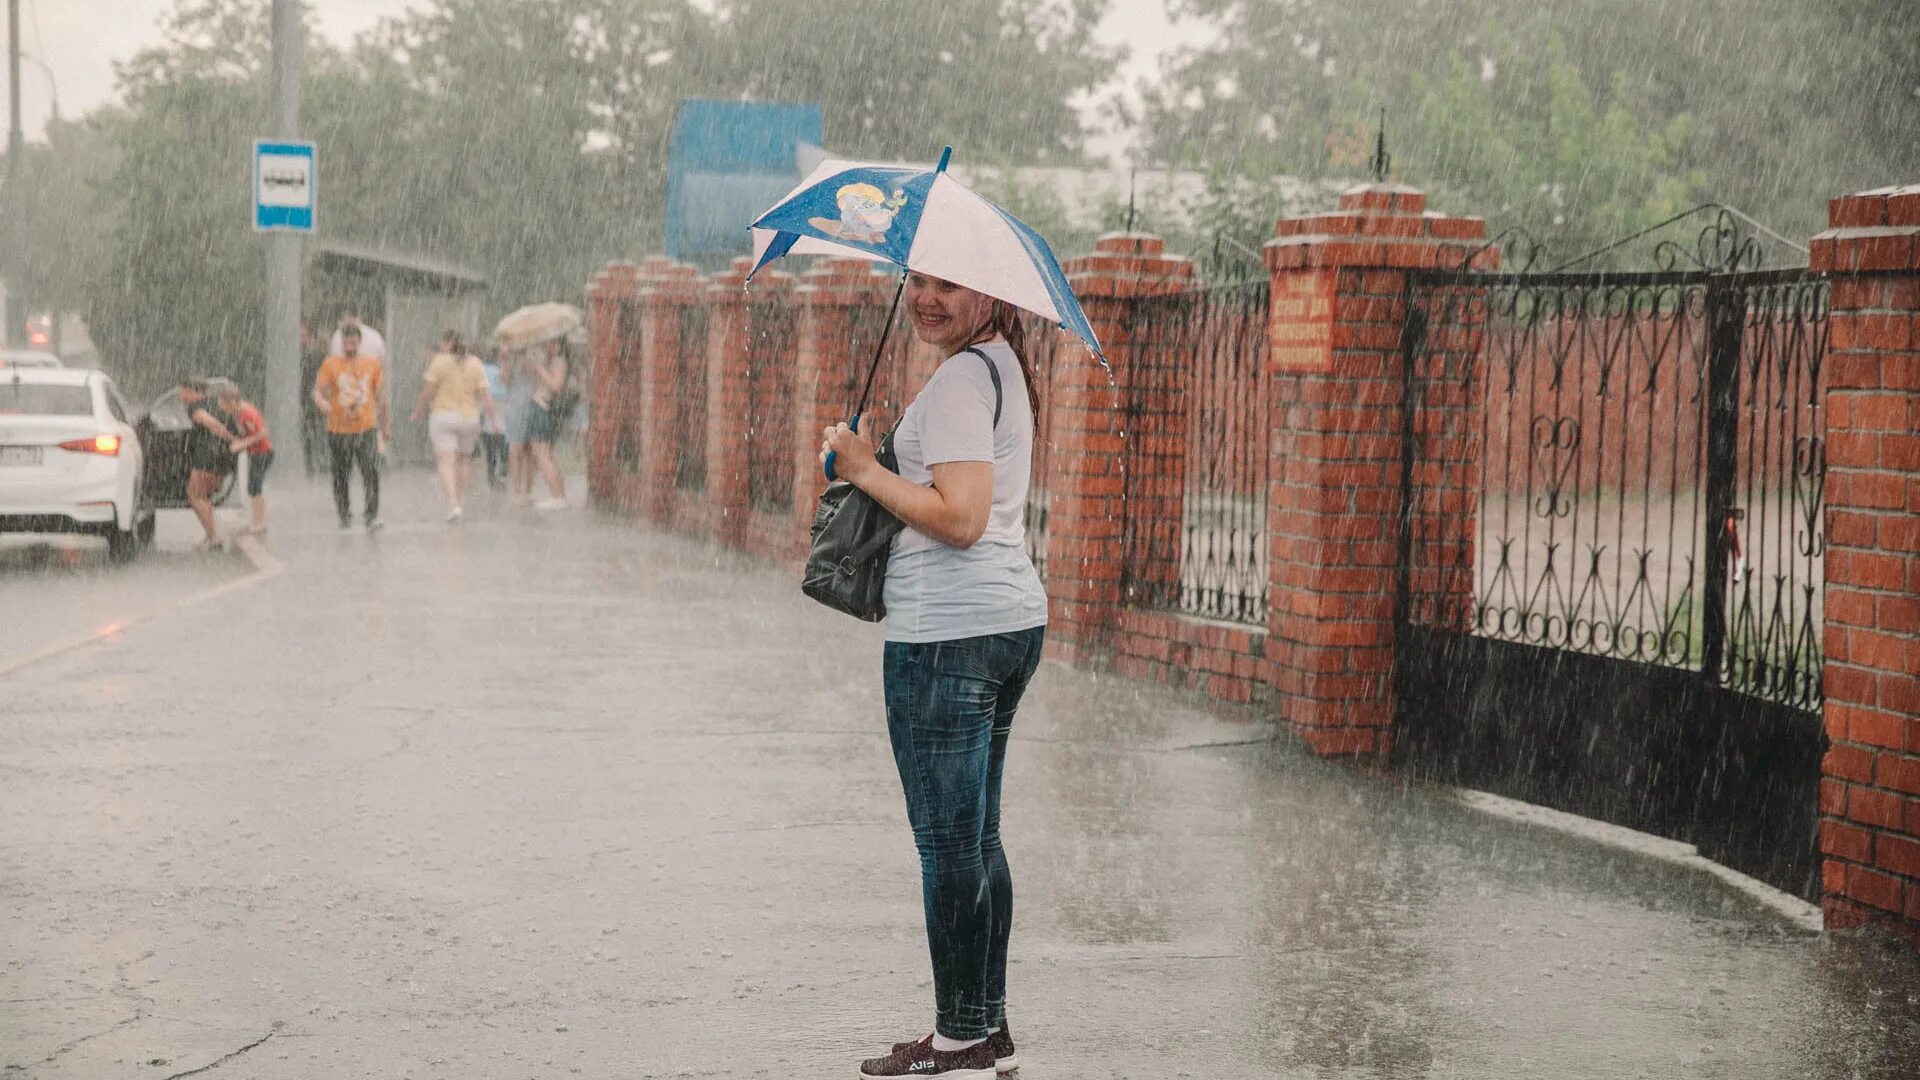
(208, 459)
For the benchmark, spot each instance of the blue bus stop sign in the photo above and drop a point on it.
(285, 181)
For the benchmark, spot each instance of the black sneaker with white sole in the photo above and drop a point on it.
(921, 1059)
(1000, 1042)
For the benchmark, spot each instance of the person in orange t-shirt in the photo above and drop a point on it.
(351, 391)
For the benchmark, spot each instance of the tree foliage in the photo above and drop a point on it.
(523, 138)
(1576, 118)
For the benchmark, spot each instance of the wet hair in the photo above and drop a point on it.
(1006, 322)
(194, 383)
(349, 331)
(455, 344)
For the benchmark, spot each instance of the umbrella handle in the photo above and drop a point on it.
(852, 425)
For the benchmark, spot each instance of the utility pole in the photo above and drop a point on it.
(282, 373)
(16, 142)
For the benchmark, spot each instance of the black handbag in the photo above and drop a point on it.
(852, 535)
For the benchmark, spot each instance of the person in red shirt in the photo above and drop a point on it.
(256, 444)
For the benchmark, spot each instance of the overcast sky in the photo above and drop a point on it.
(79, 40)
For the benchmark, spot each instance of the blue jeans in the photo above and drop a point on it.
(950, 708)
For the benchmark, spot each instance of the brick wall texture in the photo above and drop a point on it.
(775, 363)
(1870, 792)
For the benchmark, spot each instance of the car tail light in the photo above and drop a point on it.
(106, 445)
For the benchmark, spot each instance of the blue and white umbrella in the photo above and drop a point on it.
(925, 221)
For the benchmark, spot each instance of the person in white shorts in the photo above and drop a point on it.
(455, 390)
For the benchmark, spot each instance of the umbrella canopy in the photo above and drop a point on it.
(537, 324)
(923, 220)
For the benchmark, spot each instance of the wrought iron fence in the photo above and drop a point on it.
(1042, 340)
(690, 473)
(1626, 466)
(1775, 533)
(628, 446)
(1195, 534)
(771, 337)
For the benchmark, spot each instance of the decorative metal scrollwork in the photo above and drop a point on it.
(1578, 472)
(1721, 247)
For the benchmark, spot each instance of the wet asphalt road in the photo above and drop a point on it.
(57, 590)
(551, 796)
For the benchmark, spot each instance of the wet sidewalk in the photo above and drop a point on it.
(554, 795)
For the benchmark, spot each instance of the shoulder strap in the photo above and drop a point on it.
(993, 370)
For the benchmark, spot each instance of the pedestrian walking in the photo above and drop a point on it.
(208, 459)
(966, 618)
(519, 385)
(493, 438)
(454, 394)
(552, 399)
(351, 391)
(254, 441)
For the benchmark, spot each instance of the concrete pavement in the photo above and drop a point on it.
(555, 795)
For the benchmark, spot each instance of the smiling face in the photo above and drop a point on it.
(948, 315)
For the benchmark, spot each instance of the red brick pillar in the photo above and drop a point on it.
(1335, 375)
(1870, 790)
(727, 402)
(1087, 515)
(608, 298)
(825, 294)
(666, 288)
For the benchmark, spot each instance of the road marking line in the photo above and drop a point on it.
(1802, 915)
(265, 568)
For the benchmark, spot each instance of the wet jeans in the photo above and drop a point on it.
(363, 450)
(950, 708)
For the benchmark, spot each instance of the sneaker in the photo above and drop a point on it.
(921, 1059)
(453, 516)
(375, 524)
(550, 504)
(1000, 1042)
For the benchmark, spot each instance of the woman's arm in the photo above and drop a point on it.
(548, 374)
(206, 420)
(427, 389)
(953, 511)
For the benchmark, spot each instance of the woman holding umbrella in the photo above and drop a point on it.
(966, 613)
(538, 388)
(966, 616)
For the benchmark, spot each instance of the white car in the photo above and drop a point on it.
(70, 459)
(26, 358)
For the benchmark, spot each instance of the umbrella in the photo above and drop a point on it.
(921, 220)
(537, 324)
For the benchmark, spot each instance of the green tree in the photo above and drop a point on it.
(53, 228)
(181, 289)
(995, 79)
(1770, 105)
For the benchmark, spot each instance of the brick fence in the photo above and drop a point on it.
(1870, 799)
(709, 398)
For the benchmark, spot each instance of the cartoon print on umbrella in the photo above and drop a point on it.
(866, 214)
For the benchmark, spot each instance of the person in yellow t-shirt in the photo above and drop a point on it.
(455, 388)
(350, 390)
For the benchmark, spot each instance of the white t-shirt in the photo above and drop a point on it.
(937, 592)
(371, 344)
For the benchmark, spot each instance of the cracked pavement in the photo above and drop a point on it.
(546, 796)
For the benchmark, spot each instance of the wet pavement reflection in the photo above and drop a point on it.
(553, 795)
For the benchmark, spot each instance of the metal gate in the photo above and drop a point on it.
(1611, 556)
